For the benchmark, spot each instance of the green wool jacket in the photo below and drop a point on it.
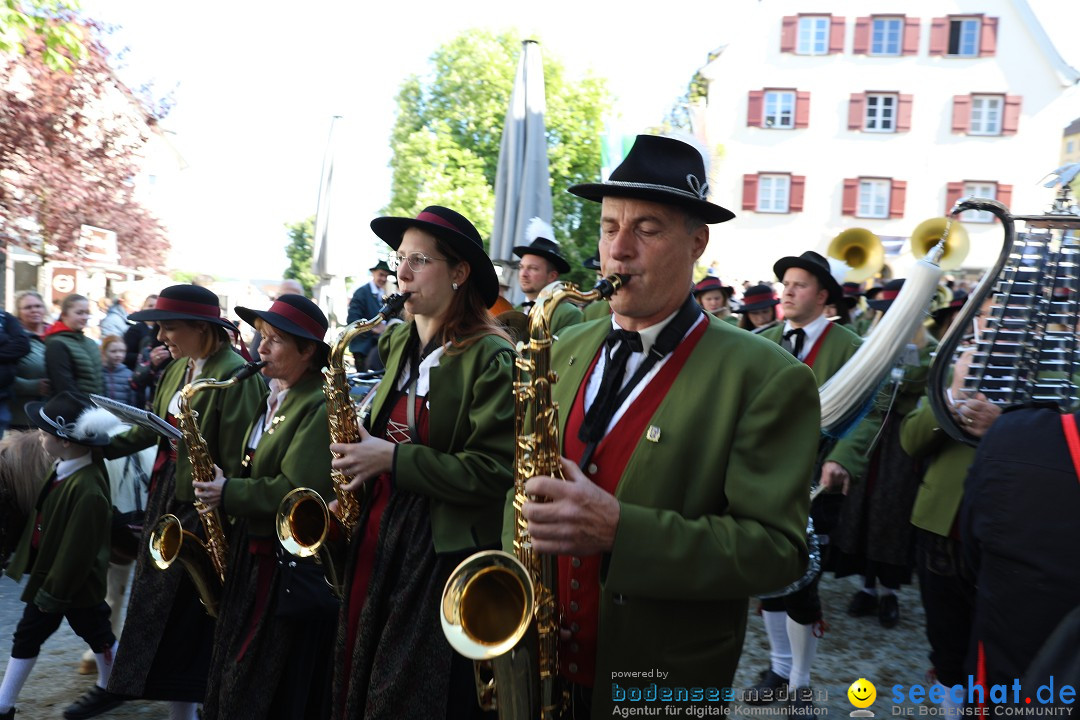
(223, 418)
(73, 553)
(84, 359)
(566, 314)
(712, 513)
(29, 372)
(596, 310)
(837, 348)
(466, 467)
(942, 488)
(293, 453)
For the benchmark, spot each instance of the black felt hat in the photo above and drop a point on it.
(294, 314)
(593, 263)
(712, 282)
(662, 170)
(758, 297)
(72, 416)
(883, 300)
(184, 302)
(456, 231)
(381, 265)
(816, 265)
(546, 249)
(852, 293)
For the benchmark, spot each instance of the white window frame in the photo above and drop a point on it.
(986, 115)
(773, 193)
(812, 37)
(972, 29)
(873, 198)
(986, 190)
(778, 110)
(890, 35)
(880, 112)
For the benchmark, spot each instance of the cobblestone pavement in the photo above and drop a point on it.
(852, 648)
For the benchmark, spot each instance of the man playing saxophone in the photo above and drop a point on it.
(687, 447)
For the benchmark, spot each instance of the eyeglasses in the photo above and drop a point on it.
(417, 260)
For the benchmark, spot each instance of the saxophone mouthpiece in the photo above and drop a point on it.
(250, 369)
(610, 285)
(394, 303)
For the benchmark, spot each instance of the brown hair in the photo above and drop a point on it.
(215, 335)
(318, 358)
(70, 301)
(747, 324)
(467, 319)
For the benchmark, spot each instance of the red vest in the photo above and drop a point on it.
(579, 577)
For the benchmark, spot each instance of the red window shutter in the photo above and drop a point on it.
(836, 35)
(988, 37)
(749, 192)
(896, 198)
(903, 113)
(787, 33)
(856, 111)
(860, 45)
(802, 109)
(953, 192)
(798, 191)
(850, 200)
(911, 36)
(754, 108)
(939, 36)
(961, 113)
(1010, 118)
(1004, 194)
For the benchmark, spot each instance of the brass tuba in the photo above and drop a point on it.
(304, 522)
(929, 233)
(169, 541)
(861, 250)
(500, 609)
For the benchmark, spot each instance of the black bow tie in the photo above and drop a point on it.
(794, 339)
(527, 305)
(631, 338)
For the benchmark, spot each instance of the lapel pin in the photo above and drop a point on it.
(571, 360)
(653, 434)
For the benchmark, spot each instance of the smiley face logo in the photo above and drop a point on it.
(862, 693)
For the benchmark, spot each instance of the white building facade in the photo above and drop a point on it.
(878, 114)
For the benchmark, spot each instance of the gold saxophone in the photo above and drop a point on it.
(501, 610)
(304, 521)
(169, 541)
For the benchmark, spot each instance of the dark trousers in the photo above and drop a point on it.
(803, 606)
(949, 601)
(35, 627)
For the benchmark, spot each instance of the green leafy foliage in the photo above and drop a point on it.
(299, 251)
(449, 126)
(63, 43)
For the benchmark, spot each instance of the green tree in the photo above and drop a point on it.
(449, 126)
(53, 20)
(299, 252)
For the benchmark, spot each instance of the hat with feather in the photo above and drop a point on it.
(73, 416)
(541, 238)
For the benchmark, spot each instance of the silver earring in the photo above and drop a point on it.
(455, 285)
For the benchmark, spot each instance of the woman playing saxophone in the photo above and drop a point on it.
(165, 654)
(275, 628)
(436, 460)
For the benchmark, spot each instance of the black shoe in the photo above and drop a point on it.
(801, 703)
(862, 603)
(889, 612)
(766, 690)
(9, 715)
(92, 703)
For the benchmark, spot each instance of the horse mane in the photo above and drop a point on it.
(24, 467)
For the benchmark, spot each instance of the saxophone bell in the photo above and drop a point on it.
(169, 542)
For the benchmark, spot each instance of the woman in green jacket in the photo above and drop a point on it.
(31, 375)
(275, 629)
(435, 465)
(72, 360)
(165, 653)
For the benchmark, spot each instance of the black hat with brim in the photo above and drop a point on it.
(713, 283)
(661, 170)
(294, 314)
(884, 299)
(758, 297)
(852, 293)
(456, 231)
(593, 263)
(59, 416)
(381, 265)
(546, 249)
(817, 266)
(184, 302)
